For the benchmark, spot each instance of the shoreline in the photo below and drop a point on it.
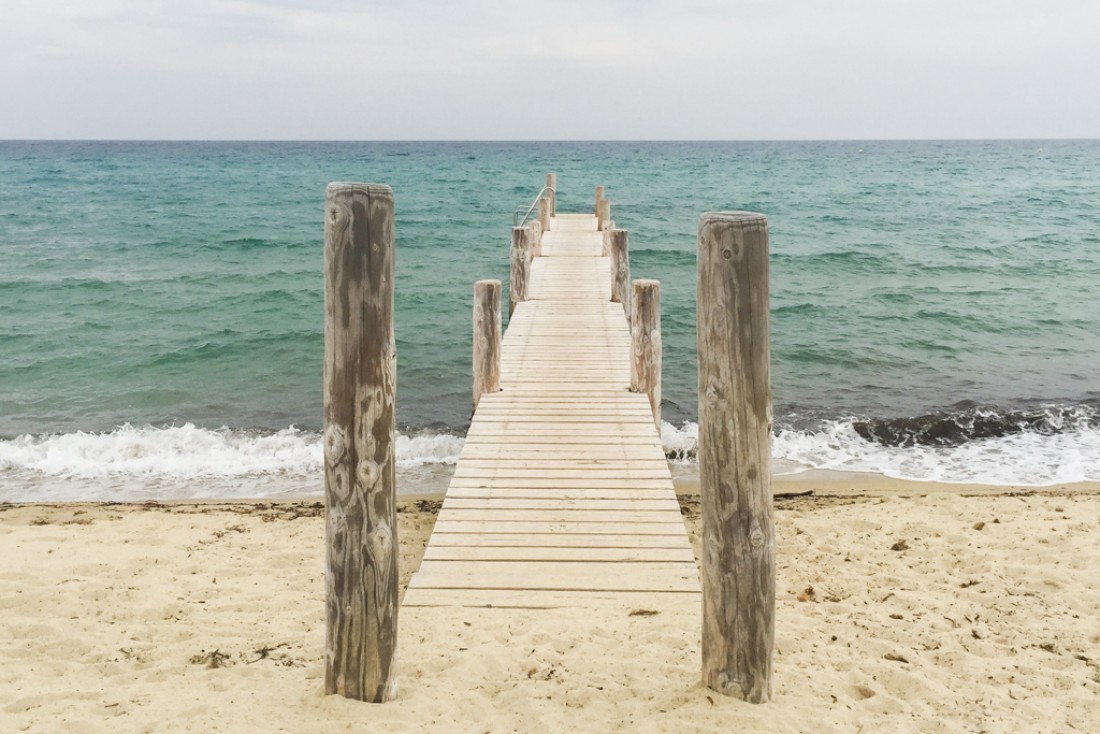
(432, 485)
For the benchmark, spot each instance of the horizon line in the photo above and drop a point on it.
(551, 140)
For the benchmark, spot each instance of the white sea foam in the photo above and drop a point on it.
(181, 462)
(680, 443)
(184, 452)
(427, 447)
(1023, 459)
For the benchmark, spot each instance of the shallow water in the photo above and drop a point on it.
(162, 285)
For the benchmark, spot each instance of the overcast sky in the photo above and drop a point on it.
(558, 69)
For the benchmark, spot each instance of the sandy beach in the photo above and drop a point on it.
(901, 607)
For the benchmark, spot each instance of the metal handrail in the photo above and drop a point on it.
(517, 221)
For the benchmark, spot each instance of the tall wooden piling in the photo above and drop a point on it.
(735, 423)
(519, 258)
(620, 268)
(552, 184)
(487, 334)
(599, 198)
(645, 338)
(603, 214)
(536, 237)
(544, 213)
(361, 580)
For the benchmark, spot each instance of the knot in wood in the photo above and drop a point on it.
(336, 444)
(369, 473)
(727, 253)
(756, 537)
(380, 543)
(727, 684)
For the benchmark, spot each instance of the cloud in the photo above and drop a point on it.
(427, 68)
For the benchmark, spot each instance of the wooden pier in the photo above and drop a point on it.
(562, 496)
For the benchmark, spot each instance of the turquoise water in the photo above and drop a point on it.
(915, 285)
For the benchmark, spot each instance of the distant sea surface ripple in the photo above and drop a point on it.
(935, 305)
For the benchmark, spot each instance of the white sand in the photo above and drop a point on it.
(112, 614)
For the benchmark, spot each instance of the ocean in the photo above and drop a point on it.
(935, 304)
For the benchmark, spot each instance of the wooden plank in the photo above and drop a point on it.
(585, 482)
(561, 528)
(594, 424)
(571, 569)
(482, 451)
(668, 504)
(440, 537)
(542, 554)
(562, 515)
(648, 464)
(554, 476)
(536, 456)
(491, 437)
(623, 602)
(556, 494)
(486, 578)
(501, 400)
(485, 432)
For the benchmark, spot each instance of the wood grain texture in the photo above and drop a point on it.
(536, 238)
(645, 333)
(486, 342)
(596, 201)
(735, 421)
(361, 580)
(519, 257)
(544, 213)
(620, 268)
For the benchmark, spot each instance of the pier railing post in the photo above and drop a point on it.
(536, 237)
(603, 214)
(552, 184)
(620, 268)
(735, 423)
(645, 337)
(520, 266)
(487, 335)
(361, 580)
(599, 198)
(544, 213)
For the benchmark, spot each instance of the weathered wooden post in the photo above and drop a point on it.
(645, 337)
(359, 378)
(486, 338)
(552, 184)
(735, 434)
(544, 213)
(536, 237)
(603, 214)
(620, 268)
(599, 198)
(520, 261)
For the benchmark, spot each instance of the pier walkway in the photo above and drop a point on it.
(562, 496)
